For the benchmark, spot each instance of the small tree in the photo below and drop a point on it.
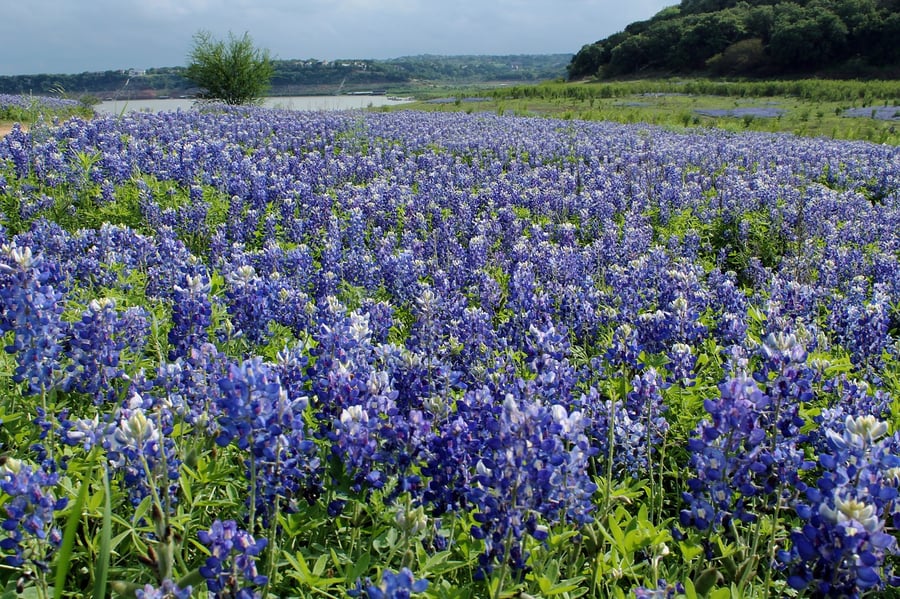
(234, 72)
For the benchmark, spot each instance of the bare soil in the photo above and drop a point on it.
(6, 128)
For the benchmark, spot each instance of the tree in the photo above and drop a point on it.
(806, 37)
(586, 62)
(233, 71)
(740, 58)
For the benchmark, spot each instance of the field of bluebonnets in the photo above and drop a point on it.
(266, 353)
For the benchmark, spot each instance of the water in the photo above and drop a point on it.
(286, 102)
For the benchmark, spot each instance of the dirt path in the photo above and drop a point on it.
(6, 128)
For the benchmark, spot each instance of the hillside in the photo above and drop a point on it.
(310, 76)
(753, 38)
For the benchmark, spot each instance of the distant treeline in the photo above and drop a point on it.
(303, 76)
(752, 38)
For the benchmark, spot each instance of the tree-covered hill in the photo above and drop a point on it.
(297, 77)
(752, 38)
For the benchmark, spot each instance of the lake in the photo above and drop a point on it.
(349, 102)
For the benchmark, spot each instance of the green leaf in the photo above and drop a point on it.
(440, 563)
(689, 550)
(689, 591)
(299, 563)
(102, 570)
(617, 533)
(359, 567)
(125, 589)
(191, 579)
(141, 510)
(64, 559)
(563, 586)
(319, 566)
(707, 580)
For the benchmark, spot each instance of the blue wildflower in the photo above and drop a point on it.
(393, 585)
(230, 570)
(166, 590)
(844, 547)
(29, 512)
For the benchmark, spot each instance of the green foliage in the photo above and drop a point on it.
(740, 57)
(232, 71)
(34, 111)
(802, 36)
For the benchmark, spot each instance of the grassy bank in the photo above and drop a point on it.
(814, 108)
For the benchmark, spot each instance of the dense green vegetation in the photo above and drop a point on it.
(755, 38)
(232, 71)
(818, 108)
(31, 109)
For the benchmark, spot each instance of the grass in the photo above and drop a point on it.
(812, 109)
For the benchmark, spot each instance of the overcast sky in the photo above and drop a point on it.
(73, 36)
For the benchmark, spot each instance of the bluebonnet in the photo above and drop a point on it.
(30, 101)
(95, 348)
(751, 447)
(731, 304)
(16, 146)
(249, 302)
(166, 590)
(378, 435)
(138, 444)
(861, 324)
(368, 399)
(258, 415)
(663, 590)
(530, 468)
(394, 585)
(843, 547)
(547, 351)
(168, 264)
(191, 315)
(190, 385)
(32, 309)
(230, 570)
(29, 534)
(682, 362)
(493, 268)
(723, 453)
(628, 432)
(136, 439)
(624, 349)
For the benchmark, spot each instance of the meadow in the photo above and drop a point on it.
(864, 110)
(254, 353)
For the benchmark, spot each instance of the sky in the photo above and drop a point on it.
(74, 36)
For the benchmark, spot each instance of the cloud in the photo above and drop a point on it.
(172, 9)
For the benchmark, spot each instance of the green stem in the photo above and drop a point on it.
(505, 565)
(273, 548)
(406, 561)
(611, 444)
(252, 495)
(772, 542)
